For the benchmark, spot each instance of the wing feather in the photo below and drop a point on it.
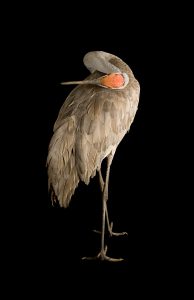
(91, 123)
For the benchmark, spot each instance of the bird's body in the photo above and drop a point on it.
(91, 123)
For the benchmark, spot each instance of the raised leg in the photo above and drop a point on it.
(109, 225)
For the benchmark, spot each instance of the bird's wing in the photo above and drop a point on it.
(62, 173)
(90, 124)
(75, 101)
(103, 121)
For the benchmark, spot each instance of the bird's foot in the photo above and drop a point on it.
(112, 233)
(102, 256)
(110, 227)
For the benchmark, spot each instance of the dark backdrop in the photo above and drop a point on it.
(50, 240)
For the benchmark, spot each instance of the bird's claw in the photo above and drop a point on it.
(118, 233)
(112, 233)
(97, 231)
(102, 256)
(115, 233)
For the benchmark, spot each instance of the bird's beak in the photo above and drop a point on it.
(110, 81)
(79, 82)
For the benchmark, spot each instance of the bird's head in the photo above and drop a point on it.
(99, 61)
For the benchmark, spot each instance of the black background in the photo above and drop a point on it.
(49, 45)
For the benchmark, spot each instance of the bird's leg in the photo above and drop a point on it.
(101, 180)
(106, 209)
(102, 185)
(102, 255)
(109, 225)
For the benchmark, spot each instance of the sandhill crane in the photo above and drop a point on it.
(91, 123)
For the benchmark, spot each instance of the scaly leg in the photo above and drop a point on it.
(102, 255)
(109, 225)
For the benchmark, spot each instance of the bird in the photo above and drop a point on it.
(90, 125)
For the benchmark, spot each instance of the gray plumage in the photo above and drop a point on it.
(91, 123)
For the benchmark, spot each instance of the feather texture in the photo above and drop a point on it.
(90, 125)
